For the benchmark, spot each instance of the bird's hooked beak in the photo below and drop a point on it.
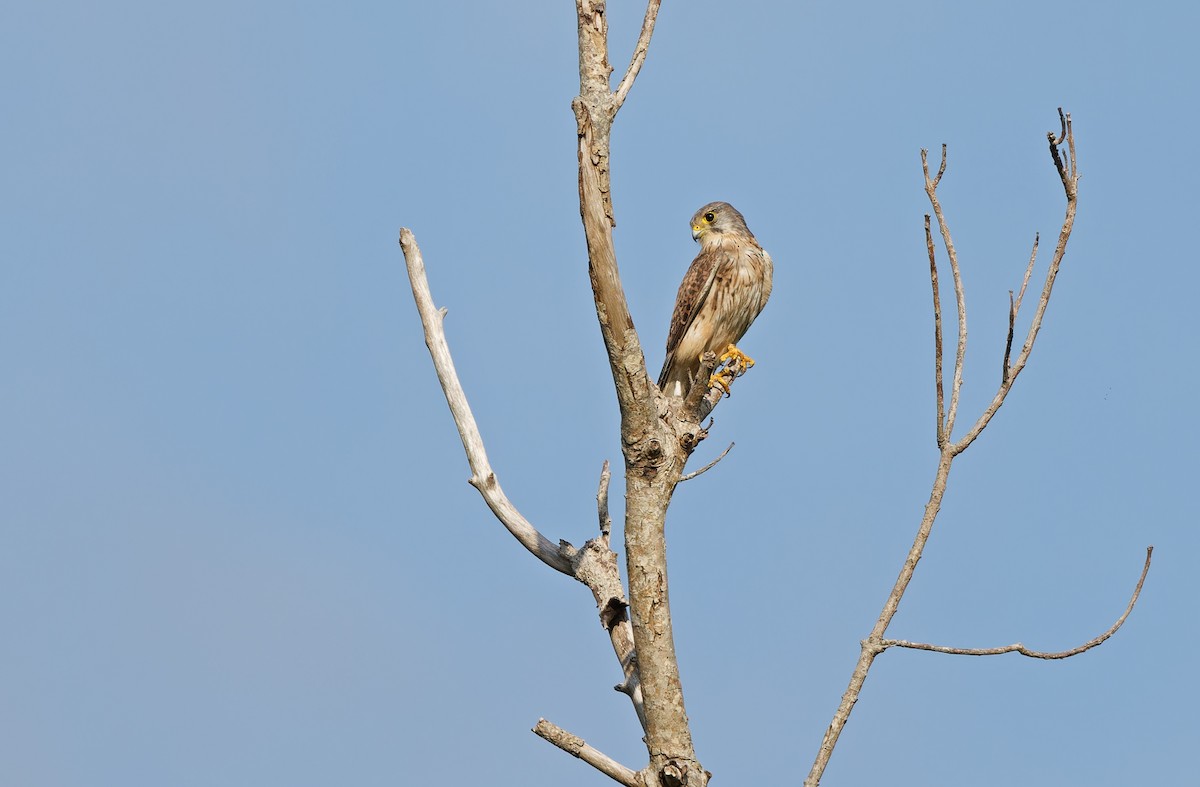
(696, 232)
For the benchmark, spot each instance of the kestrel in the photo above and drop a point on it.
(722, 292)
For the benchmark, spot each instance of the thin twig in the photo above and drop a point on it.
(937, 330)
(1024, 651)
(1037, 237)
(707, 467)
(959, 297)
(1014, 306)
(576, 747)
(941, 169)
(639, 55)
(483, 478)
(1070, 189)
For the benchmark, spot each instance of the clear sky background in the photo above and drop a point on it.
(236, 543)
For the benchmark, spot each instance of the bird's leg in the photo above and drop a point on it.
(734, 364)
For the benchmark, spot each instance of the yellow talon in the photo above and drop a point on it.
(720, 380)
(731, 364)
(733, 353)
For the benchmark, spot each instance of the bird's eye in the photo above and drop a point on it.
(709, 217)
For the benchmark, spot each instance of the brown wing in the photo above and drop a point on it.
(692, 292)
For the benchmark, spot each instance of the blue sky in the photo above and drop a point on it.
(237, 545)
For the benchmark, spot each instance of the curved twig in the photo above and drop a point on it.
(937, 329)
(1014, 306)
(707, 467)
(1017, 647)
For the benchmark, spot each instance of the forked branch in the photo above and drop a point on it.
(875, 643)
(1069, 174)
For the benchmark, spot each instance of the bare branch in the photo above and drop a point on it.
(1024, 651)
(1037, 237)
(483, 478)
(871, 646)
(959, 297)
(1070, 176)
(707, 467)
(639, 55)
(1014, 306)
(575, 746)
(595, 564)
(937, 329)
(875, 643)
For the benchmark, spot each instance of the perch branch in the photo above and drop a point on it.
(1024, 651)
(576, 747)
(639, 54)
(703, 396)
(483, 478)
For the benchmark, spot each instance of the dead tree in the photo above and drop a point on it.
(659, 434)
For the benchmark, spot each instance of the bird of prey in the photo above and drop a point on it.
(722, 292)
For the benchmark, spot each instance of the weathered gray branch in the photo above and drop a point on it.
(594, 564)
(1017, 647)
(576, 747)
(959, 296)
(483, 478)
(875, 643)
(1014, 306)
(937, 334)
(639, 54)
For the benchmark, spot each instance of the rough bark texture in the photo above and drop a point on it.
(654, 452)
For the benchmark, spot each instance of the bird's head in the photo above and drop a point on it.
(716, 219)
